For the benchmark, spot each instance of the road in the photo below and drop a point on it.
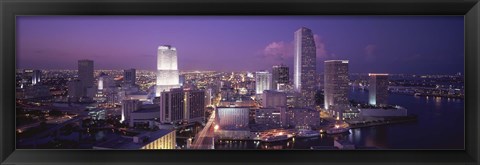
(205, 138)
(49, 131)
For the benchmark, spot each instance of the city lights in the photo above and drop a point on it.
(303, 90)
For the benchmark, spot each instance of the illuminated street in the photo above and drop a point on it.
(205, 138)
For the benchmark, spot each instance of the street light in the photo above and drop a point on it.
(216, 127)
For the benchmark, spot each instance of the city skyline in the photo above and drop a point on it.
(437, 44)
(324, 106)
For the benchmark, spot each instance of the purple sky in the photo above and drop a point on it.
(393, 44)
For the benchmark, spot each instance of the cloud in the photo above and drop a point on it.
(280, 50)
(320, 45)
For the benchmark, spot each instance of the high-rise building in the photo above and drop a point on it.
(36, 76)
(274, 99)
(129, 76)
(263, 81)
(305, 66)
(378, 89)
(195, 105)
(179, 105)
(172, 106)
(280, 76)
(167, 69)
(129, 106)
(336, 83)
(85, 74)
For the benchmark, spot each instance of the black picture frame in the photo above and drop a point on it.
(11, 8)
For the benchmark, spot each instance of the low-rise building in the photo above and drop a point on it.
(392, 111)
(160, 139)
(271, 117)
(147, 116)
(301, 117)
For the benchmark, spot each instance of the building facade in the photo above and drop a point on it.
(303, 117)
(129, 76)
(129, 106)
(336, 83)
(271, 117)
(172, 105)
(280, 76)
(75, 90)
(232, 117)
(305, 66)
(36, 76)
(85, 75)
(146, 117)
(195, 105)
(263, 81)
(273, 99)
(378, 89)
(167, 69)
(179, 105)
(160, 139)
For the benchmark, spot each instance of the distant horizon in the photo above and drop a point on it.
(373, 44)
(244, 71)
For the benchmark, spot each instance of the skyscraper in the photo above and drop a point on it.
(263, 81)
(378, 89)
(129, 76)
(36, 76)
(85, 74)
(305, 66)
(179, 105)
(336, 83)
(172, 106)
(195, 105)
(167, 69)
(280, 76)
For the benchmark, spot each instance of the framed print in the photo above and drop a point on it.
(185, 82)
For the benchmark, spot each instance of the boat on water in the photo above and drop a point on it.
(307, 133)
(275, 138)
(337, 130)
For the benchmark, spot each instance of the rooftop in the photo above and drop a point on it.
(377, 74)
(125, 142)
(147, 108)
(343, 61)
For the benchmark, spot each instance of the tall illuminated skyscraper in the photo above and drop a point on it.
(378, 89)
(85, 74)
(336, 83)
(263, 81)
(167, 69)
(305, 66)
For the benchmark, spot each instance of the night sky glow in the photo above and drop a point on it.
(386, 44)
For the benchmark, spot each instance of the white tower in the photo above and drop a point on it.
(263, 81)
(167, 69)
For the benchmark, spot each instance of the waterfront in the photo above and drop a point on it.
(440, 125)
